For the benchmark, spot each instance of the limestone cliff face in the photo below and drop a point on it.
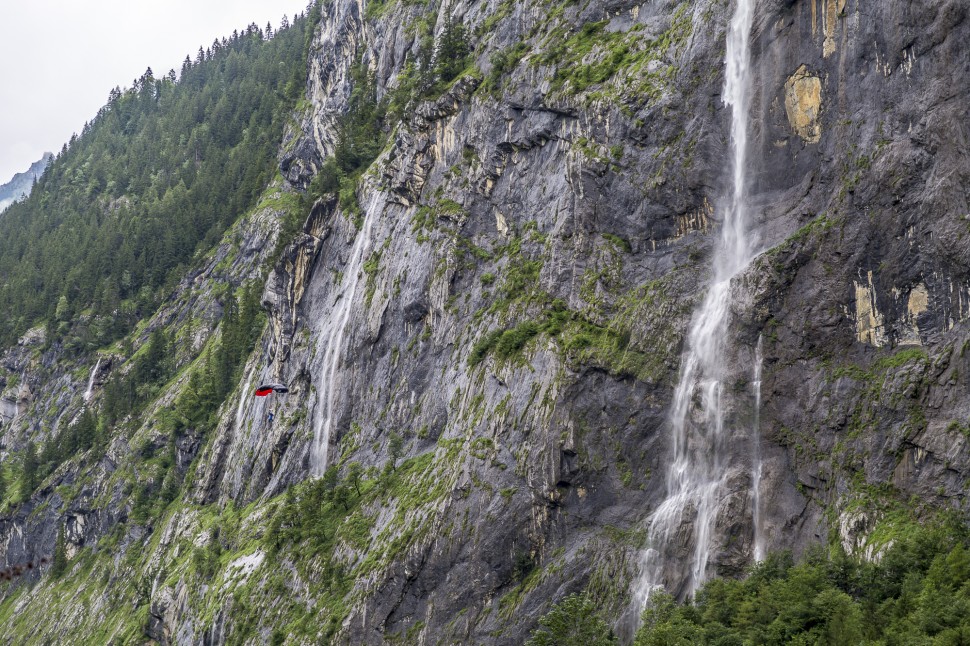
(865, 307)
(568, 193)
(488, 207)
(860, 208)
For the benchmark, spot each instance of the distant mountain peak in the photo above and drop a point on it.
(19, 187)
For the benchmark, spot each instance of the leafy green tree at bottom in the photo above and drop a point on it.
(573, 622)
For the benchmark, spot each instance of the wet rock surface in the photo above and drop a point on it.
(496, 207)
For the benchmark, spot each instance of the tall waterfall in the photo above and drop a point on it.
(331, 340)
(759, 534)
(94, 372)
(696, 478)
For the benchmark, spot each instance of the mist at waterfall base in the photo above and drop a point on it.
(675, 559)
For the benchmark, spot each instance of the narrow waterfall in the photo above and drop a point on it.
(244, 397)
(331, 341)
(16, 406)
(676, 558)
(94, 372)
(759, 538)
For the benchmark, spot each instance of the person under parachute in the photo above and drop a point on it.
(265, 390)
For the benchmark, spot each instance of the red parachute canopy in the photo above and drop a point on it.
(267, 389)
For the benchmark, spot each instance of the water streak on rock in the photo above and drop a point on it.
(682, 528)
(330, 340)
(759, 537)
(243, 398)
(94, 372)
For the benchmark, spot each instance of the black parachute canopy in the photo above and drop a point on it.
(266, 389)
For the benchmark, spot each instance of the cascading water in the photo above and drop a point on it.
(90, 389)
(759, 537)
(697, 475)
(331, 339)
(244, 397)
(16, 407)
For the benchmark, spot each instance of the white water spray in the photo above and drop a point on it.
(759, 538)
(331, 340)
(681, 528)
(90, 389)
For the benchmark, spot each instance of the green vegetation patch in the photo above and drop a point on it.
(918, 593)
(621, 344)
(613, 344)
(574, 621)
(619, 63)
(425, 217)
(437, 65)
(371, 266)
(508, 344)
(503, 62)
(336, 515)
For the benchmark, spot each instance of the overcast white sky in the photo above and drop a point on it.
(60, 58)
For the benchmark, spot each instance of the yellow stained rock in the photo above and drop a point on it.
(803, 102)
(869, 321)
(833, 9)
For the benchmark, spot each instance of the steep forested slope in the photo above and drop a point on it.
(158, 175)
(102, 263)
(508, 210)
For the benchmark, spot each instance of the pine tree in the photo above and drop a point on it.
(85, 430)
(341, 496)
(331, 478)
(101, 437)
(63, 310)
(452, 52)
(395, 449)
(170, 486)
(28, 478)
(251, 310)
(355, 471)
(59, 562)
